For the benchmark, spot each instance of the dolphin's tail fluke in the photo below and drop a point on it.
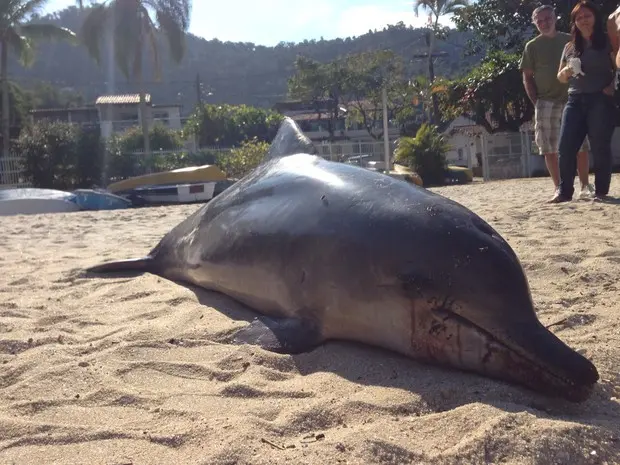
(133, 264)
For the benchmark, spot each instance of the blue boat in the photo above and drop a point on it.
(91, 199)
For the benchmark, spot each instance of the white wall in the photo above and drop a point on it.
(463, 145)
(462, 150)
(172, 116)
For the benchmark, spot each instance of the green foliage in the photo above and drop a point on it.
(90, 151)
(366, 74)
(356, 82)
(160, 136)
(65, 156)
(507, 25)
(237, 73)
(20, 101)
(19, 36)
(322, 84)
(126, 157)
(492, 94)
(425, 154)
(59, 155)
(136, 25)
(44, 95)
(241, 160)
(231, 125)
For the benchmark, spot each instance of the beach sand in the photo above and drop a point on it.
(134, 370)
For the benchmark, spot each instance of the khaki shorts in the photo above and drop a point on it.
(547, 124)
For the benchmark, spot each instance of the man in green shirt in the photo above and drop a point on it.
(539, 65)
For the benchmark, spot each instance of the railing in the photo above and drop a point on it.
(354, 151)
(12, 173)
(499, 163)
(124, 124)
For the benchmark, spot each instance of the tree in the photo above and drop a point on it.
(367, 73)
(425, 154)
(356, 82)
(492, 94)
(19, 36)
(322, 84)
(241, 160)
(507, 24)
(60, 155)
(134, 30)
(423, 92)
(437, 9)
(231, 125)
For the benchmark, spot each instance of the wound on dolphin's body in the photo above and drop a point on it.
(412, 283)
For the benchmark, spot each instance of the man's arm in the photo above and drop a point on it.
(530, 85)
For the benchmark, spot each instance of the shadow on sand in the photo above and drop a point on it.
(441, 389)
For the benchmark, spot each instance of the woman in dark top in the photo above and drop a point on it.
(590, 109)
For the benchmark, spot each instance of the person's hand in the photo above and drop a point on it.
(567, 72)
(609, 90)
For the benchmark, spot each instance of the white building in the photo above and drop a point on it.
(120, 112)
(114, 114)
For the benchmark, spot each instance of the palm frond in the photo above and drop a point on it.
(127, 24)
(133, 29)
(20, 10)
(21, 46)
(149, 30)
(93, 29)
(48, 32)
(425, 5)
(452, 6)
(174, 33)
(178, 10)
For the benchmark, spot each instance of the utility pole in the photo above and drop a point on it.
(198, 91)
(431, 75)
(386, 137)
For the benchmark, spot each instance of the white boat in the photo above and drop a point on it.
(177, 193)
(32, 201)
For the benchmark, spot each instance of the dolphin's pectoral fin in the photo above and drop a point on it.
(282, 335)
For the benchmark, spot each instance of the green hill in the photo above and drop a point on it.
(234, 73)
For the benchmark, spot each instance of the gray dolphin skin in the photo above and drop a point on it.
(330, 251)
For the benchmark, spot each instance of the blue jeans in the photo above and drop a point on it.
(593, 115)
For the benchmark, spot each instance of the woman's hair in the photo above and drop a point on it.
(599, 39)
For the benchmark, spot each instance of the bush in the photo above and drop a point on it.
(126, 152)
(425, 154)
(241, 160)
(58, 155)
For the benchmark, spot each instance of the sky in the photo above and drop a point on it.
(267, 22)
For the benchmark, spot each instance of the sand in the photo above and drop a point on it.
(136, 370)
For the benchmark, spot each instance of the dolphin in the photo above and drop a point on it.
(323, 250)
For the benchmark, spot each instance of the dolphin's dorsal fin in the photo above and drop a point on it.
(290, 140)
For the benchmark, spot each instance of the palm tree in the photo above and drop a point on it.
(134, 29)
(437, 9)
(19, 37)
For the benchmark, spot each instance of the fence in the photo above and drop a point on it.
(358, 151)
(508, 155)
(505, 156)
(12, 173)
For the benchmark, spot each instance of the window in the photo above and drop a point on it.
(161, 117)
